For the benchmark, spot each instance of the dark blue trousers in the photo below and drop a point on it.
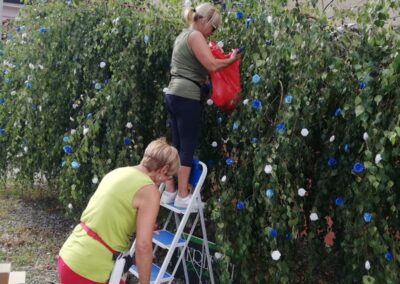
(185, 115)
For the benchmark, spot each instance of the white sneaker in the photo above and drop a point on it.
(183, 202)
(167, 197)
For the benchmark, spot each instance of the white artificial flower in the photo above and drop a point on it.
(268, 169)
(378, 158)
(102, 64)
(313, 216)
(40, 67)
(223, 179)
(304, 132)
(276, 255)
(16, 170)
(332, 138)
(85, 130)
(40, 108)
(129, 125)
(269, 19)
(13, 93)
(95, 179)
(367, 265)
(218, 255)
(301, 192)
(71, 118)
(246, 101)
(26, 149)
(210, 102)
(109, 161)
(70, 206)
(365, 136)
(214, 144)
(73, 131)
(31, 66)
(221, 44)
(108, 97)
(74, 106)
(24, 35)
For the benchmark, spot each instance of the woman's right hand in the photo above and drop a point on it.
(235, 55)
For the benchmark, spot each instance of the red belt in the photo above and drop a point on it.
(97, 238)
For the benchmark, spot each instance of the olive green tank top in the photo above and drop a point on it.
(110, 214)
(184, 63)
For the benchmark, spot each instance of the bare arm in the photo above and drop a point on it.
(200, 48)
(147, 202)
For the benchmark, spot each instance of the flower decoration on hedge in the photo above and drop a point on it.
(127, 141)
(219, 120)
(276, 255)
(42, 30)
(339, 201)
(235, 125)
(240, 205)
(146, 39)
(365, 136)
(70, 207)
(256, 79)
(67, 149)
(214, 144)
(256, 104)
(269, 19)
(338, 112)
(332, 138)
(102, 64)
(367, 217)
(288, 99)
(361, 85)
(210, 102)
(273, 233)
(346, 148)
(75, 165)
(239, 15)
(358, 168)
(388, 256)
(97, 86)
(268, 169)
(288, 236)
(2, 101)
(95, 179)
(28, 84)
(301, 192)
(268, 42)
(223, 179)
(281, 128)
(65, 139)
(314, 216)
(332, 162)
(229, 162)
(304, 132)
(367, 265)
(245, 101)
(2, 132)
(269, 193)
(253, 140)
(129, 125)
(85, 130)
(378, 158)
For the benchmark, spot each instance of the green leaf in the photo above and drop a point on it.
(359, 110)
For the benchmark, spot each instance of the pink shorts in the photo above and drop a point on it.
(67, 276)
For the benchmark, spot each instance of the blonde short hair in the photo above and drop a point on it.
(205, 10)
(159, 154)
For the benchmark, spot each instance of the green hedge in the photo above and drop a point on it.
(80, 75)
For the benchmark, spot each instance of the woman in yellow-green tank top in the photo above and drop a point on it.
(126, 201)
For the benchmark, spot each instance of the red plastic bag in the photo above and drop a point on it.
(225, 83)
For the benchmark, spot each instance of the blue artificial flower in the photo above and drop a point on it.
(256, 79)
(288, 236)
(106, 81)
(339, 201)
(256, 104)
(235, 125)
(388, 256)
(239, 15)
(2, 101)
(229, 162)
(367, 217)
(361, 85)
(19, 29)
(240, 205)
(269, 193)
(67, 149)
(332, 162)
(97, 86)
(219, 120)
(146, 39)
(247, 23)
(358, 168)
(34, 107)
(253, 140)
(281, 128)
(268, 42)
(75, 165)
(28, 84)
(42, 30)
(2, 131)
(5, 72)
(338, 111)
(274, 232)
(8, 81)
(65, 139)
(288, 99)
(127, 141)
(89, 115)
(346, 148)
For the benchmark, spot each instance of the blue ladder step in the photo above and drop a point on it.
(164, 238)
(154, 273)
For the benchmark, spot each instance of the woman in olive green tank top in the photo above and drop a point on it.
(127, 200)
(191, 61)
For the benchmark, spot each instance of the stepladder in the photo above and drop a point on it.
(174, 236)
